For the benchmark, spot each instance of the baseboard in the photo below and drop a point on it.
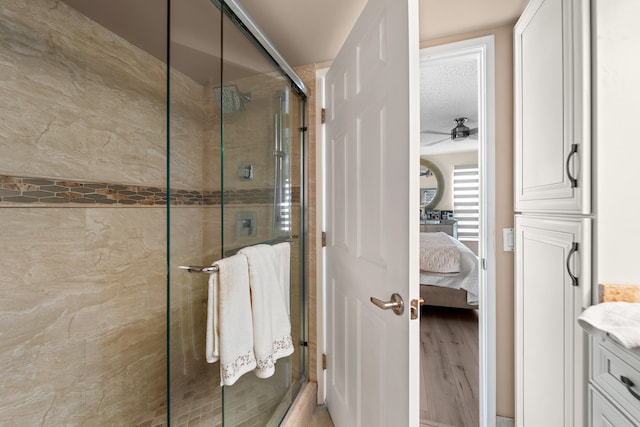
(505, 422)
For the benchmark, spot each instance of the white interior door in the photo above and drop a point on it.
(372, 184)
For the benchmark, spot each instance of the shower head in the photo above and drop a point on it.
(230, 98)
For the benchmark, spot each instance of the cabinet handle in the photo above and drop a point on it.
(628, 383)
(574, 278)
(574, 150)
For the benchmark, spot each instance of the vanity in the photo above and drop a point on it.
(614, 384)
(614, 369)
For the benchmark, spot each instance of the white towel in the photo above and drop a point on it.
(283, 262)
(212, 347)
(621, 320)
(234, 321)
(271, 324)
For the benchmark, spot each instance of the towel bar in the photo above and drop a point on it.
(200, 269)
(210, 269)
(277, 240)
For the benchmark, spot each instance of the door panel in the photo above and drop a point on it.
(372, 163)
(542, 124)
(371, 143)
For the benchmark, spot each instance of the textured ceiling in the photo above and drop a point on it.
(448, 89)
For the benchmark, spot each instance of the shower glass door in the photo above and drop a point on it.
(261, 203)
(236, 179)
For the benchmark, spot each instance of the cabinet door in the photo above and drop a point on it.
(552, 287)
(552, 107)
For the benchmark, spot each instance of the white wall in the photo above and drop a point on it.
(617, 148)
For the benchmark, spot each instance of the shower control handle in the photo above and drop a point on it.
(396, 304)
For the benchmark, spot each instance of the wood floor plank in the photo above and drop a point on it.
(449, 363)
(441, 393)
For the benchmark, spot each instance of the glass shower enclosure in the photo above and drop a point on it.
(136, 137)
(236, 123)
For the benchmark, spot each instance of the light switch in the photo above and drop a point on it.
(507, 239)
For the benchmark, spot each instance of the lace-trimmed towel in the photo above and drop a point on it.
(283, 262)
(230, 333)
(271, 323)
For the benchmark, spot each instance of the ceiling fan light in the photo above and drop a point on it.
(460, 131)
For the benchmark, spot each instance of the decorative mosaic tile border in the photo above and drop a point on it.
(16, 189)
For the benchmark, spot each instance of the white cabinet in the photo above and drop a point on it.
(552, 107)
(553, 284)
(614, 393)
(552, 180)
(564, 49)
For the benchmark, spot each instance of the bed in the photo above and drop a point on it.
(448, 272)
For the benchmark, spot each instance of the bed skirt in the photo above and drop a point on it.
(445, 297)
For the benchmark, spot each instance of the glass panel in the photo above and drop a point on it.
(262, 176)
(235, 180)
(195, 212)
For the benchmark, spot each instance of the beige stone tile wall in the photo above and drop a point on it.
(83, 320)
(79, 96)
(83, 288)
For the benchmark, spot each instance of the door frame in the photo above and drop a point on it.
(483, 49)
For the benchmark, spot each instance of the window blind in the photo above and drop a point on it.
(466, 200)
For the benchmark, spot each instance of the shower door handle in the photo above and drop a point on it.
(396, 304)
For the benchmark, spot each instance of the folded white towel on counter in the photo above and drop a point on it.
(271, 323)
(621, 320)
(234, 321)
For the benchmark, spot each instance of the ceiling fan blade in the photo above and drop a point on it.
(473, 131)
(434, 132)
(436, 142)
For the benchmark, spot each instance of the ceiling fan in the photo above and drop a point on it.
(458, 133)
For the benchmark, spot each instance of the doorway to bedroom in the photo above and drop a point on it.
(457, 267)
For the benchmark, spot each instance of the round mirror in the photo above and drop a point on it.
(431, 185)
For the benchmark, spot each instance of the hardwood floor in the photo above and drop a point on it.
(449, 365)
(321, 417)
